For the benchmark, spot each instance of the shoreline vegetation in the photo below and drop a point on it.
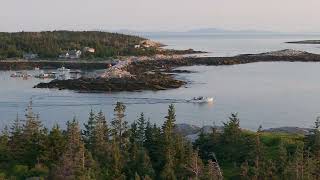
(78, 45)
(113, 149)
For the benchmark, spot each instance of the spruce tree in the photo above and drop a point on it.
(183, 155)
(32, 124)
(316, 147)
(282, 159)
(88, 132)
(16, 141)
(134, 133)
(145, 168)
(141, 123)
(295, 168)
(56, 144)
(73, 163)
(212, 171)
(168, 169)
(259, 164)
(310, 170)
(231, 138)
(244, 171)
(169, 145)
(117, 162)
(101, 144)
(195, 166)
(4, 148)
(153, 145)
(33, 136)
(119, 125)
(168, 125)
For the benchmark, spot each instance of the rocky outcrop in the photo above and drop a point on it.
(186, 129)
(148, 74)
(285, 52)
(192, 132)
(149, 43)
(157, 81)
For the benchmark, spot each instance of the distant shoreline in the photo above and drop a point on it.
(153, 74)
(286, 55)
(304, 42)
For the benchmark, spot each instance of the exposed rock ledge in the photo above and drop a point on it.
(156, 81)
(283, 53)
(138, 74)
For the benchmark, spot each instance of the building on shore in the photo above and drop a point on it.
(137, 46)
(89, 49)
(73, 54)
(30, 56)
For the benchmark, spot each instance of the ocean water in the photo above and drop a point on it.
(271, 94)
(234, 44)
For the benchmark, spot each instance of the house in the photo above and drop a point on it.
(89, 49)
(30, 56)
(73, 54)
(64, 55)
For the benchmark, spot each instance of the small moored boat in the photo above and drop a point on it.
(201, 99)
(63, 69)
(20, 74)
(46, 76)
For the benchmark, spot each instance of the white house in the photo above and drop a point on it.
(89, 49)
(30, 56)
(73, 54)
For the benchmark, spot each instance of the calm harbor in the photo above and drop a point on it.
(288, 90)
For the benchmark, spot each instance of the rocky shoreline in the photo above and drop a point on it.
(156, 74)
(138, 82)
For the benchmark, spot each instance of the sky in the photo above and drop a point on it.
(160, 15)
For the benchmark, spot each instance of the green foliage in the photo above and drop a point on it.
(88, 132)
(20, 171)
(119, 125)
(147, 151)
(52, 44)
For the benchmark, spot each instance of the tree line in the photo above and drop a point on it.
(102, 150)
(50, 44)
(116, 150)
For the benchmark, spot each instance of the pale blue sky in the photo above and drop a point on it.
(156, 15)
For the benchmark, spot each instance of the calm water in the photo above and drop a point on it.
(270, 94)
(234, 44)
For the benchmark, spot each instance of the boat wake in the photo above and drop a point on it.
(74, 101)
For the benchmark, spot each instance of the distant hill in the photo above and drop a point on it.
(217, 30)
(194, 31)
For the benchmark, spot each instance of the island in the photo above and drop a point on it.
(305, 42)
(76, 45)
(130, 63)
(136, 74)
